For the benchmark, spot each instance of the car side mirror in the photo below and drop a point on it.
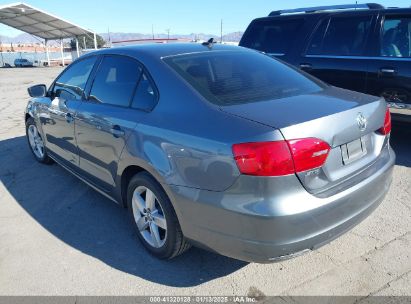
(39, 90)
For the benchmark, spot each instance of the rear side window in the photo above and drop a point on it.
(73, 80)
(229, 77)
(115, 81)
(145, 97)
(272, 36)
(396, 37)
(340, 36)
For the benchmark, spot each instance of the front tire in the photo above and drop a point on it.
(36, 142)
(154, 218)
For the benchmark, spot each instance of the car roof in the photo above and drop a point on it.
(160, 50)
(395, 10)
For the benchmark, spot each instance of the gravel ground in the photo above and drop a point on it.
(59, 237)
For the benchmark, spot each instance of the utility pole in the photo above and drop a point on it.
(109, 37)
(152, 31)
(221, 31)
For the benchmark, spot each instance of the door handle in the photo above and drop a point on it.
(390, 71)
(117, 131)
(69, 117)
(306, 66)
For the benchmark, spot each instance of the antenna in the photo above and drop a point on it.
(210, 42)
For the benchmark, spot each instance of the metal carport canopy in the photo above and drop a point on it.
(36, 22)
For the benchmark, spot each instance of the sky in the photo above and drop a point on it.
(179, 16)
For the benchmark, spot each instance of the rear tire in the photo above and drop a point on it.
(154, 218)
(36, 143)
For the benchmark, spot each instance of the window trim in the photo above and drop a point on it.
(337, 16)
(143, 70)
(359, 57)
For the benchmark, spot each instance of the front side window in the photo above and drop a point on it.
(340, 36)
(237, 77)
(272, 36)
(396, 37)
(73, 80)
(115, 81)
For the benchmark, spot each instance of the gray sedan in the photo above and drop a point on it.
(216, 146)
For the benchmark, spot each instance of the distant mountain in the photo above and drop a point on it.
(22, 38)
(27, 38)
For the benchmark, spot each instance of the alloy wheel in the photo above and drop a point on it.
(149, 216)
(36, 142)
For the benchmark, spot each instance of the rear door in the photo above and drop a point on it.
(120, 96)
(390, 70)
(335, 52)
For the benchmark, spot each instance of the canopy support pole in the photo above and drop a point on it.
(47, 52)
(77, 48)
(95, 41)
(62, 52)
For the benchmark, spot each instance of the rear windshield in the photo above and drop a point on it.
(229, 77)
(272, 36)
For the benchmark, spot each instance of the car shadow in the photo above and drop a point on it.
(401, 143)
(89, 222)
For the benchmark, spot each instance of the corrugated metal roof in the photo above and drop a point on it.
(39, 23)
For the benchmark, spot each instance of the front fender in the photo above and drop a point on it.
(35, 109)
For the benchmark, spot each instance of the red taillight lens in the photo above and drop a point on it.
(386, 128)
(308, 153)
(263, 158)
(280, 157)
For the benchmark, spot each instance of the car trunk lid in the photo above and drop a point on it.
(346, 120)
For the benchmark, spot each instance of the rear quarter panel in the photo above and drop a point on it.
(185, 140)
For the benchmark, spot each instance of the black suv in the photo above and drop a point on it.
(364, 47)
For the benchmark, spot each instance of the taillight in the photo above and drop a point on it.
(386, 128)
(277, 158)
(263, 158)
(308, 153)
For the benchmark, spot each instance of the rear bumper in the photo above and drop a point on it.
(268, 219)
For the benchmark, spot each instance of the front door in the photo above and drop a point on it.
(58, 123)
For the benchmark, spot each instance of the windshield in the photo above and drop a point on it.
(236, 77)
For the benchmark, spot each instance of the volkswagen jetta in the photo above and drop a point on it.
(217, 146)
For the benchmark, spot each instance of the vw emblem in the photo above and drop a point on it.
(361, 121)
